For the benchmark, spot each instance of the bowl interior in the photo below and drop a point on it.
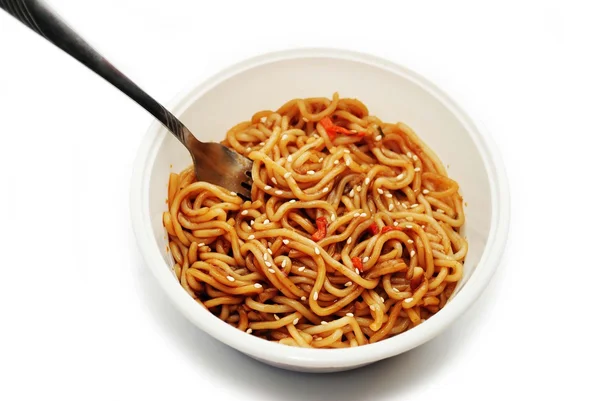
(390, 93)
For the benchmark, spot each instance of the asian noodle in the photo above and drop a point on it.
(351, 237)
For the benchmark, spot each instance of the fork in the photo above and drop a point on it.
(213, 162)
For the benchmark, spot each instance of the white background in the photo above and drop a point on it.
(81, 316)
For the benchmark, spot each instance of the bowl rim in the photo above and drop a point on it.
(314, 358)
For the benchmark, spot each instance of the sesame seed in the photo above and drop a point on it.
(263, 119)
(414, 205)
(367, 181)
(265, 257)
(336, 162)
(409, 226)
(257, 285)
(380, 191)
(286, 241)
(349, 240)
(365, 259)
(323, 322)
(305, 119)
(248, 149)
(262, 144)
(316, 296)
(284, 137)
(409, 218)
(249, 331)
(244, 212)
(310, 172)
(400, 176)
(267, 187)
(391, 207)
(318, 338)
(425, 191)
(275, 316)
(348, 284)
(412, 253)
(320, 160)
(440, 211)
(289, 158)
(233, 193)
(372, 307)
(332, 216)
(301, 268)
(269, 264)
(408, 299)
(302, 298)
(422, 225)
(349, 314)
(409, 154)
(415, 158)
(404, 205)
(356, 214)
(396, 224)
(251, 222)
(378, 138)
(251, 236)
(317, 250)
(410, 241)
(270, 251)
(326, 189)
(357, 271)
(267, 221)
(358, 188)
(396, 290)
(201, 244)
(389, 196)
(351, 193)
(287, 175)
(272, 271)
(382, 300)
(293, 201)
(273, 180)
(363, 214)
(279, 192)
(417, 169)
(296, 320)
(346, 151)
(230, 278)
(284, 263)
(348, 162)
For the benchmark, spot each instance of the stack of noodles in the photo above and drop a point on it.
(351, 236)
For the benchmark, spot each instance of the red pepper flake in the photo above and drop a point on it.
(321, 229)
(357, 262)
(387, 229)
(333, 129)
(374, 229)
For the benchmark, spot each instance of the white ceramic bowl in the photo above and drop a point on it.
(391, 92)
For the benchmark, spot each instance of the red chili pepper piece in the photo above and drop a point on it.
(374, 229)
(356, 262)
(386, 229)
(329, 127)
(321, 229)
(333, 129)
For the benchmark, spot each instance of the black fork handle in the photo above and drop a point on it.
(44, 21)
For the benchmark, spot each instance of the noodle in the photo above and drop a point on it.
(351, 236)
